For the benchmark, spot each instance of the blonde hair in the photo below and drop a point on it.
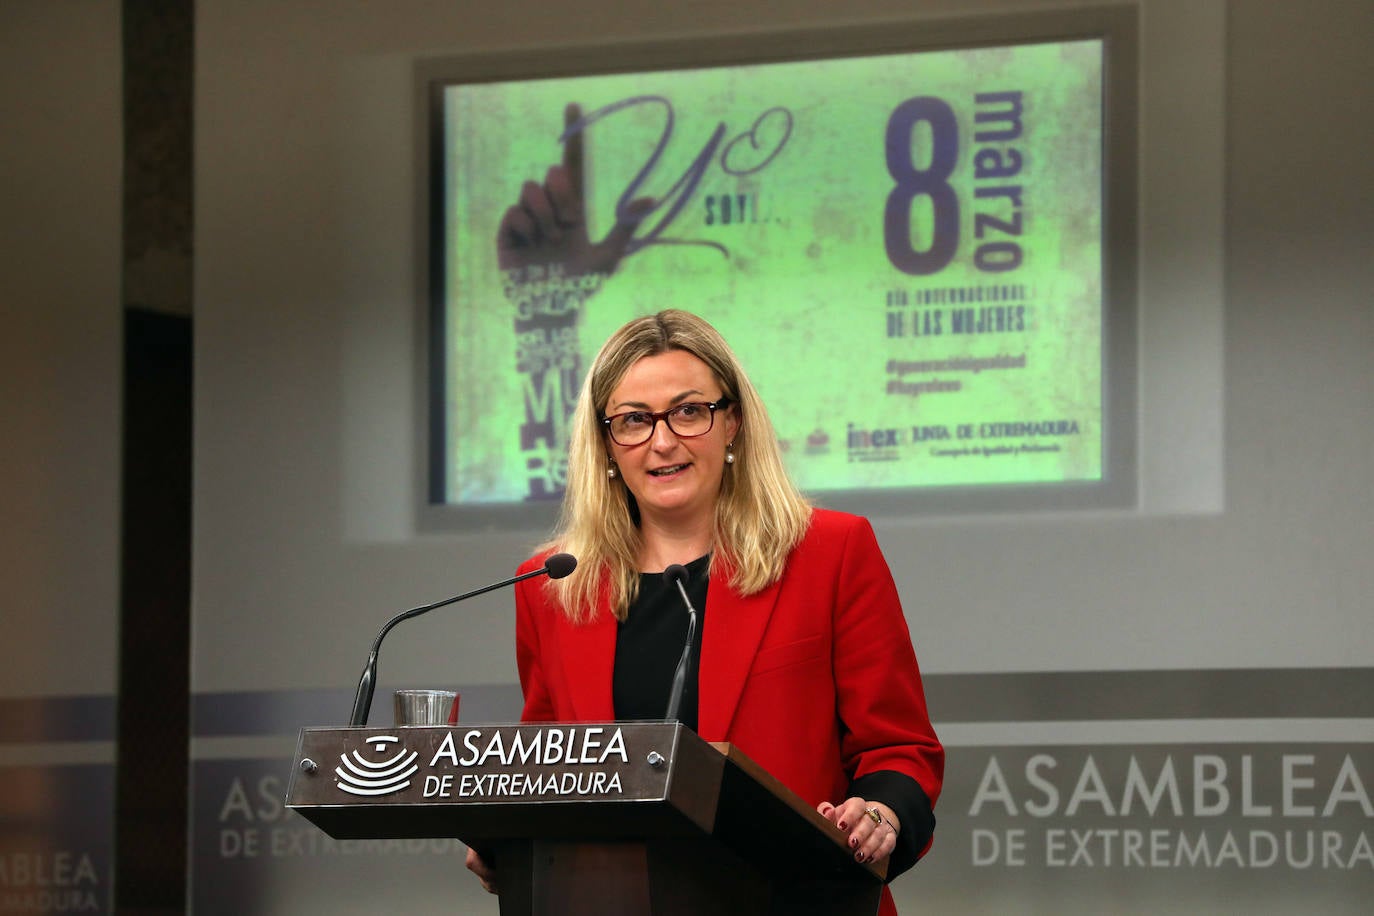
(760, 515)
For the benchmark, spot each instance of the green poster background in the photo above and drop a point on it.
(875, 377)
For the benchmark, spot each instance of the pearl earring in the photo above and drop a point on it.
(729, 453)
(610, 472)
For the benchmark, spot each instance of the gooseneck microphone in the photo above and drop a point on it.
(677, 573)
(556, 566)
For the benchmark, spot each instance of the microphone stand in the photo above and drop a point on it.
(362, 699)
(678, 574)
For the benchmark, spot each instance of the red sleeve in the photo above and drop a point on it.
(881, 703)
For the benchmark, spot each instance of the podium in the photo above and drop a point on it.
(630, 818)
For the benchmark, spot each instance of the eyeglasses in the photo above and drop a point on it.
(687, 421)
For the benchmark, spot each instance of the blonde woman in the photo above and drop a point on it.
(804, 660)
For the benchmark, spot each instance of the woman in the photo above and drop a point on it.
(805, 662)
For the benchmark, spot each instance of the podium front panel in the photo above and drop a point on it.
(504, 781)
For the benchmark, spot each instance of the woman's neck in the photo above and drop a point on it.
(663, 545)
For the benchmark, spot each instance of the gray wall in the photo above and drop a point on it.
(60, 361)
(59, 345)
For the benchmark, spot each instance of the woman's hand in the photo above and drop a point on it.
(873, 835)
(484, 872)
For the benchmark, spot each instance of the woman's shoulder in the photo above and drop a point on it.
(552, 559)
(531, 564)
(830, 523)
(533, 595)
(832, 534)
(835, 541)
(536, 560)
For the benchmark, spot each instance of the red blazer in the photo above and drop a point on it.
(814, 678)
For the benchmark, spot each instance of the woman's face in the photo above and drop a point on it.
(674, 480)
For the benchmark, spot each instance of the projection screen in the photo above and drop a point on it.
(923, 254)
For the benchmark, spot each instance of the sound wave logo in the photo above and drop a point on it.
(359, 776)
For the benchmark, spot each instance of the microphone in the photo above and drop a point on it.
(556, 566)
(677, 573)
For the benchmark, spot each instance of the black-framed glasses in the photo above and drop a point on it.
(687, 421)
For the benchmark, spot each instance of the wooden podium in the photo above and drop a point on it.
(589, 818)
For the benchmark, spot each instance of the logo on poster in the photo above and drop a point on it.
(372, 778)
(818, 443)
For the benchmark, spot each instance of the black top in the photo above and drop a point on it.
(648, 646)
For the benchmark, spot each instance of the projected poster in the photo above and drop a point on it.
(905, 251)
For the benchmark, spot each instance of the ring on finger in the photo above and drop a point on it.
(875, 816)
